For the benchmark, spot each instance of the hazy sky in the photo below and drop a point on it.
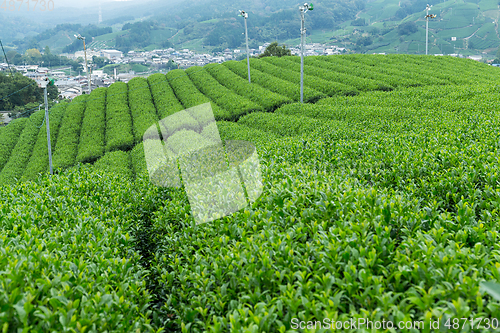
(87, 3)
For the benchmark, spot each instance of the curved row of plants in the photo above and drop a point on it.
(118, 118)
(39, 161)
(68, 137)
(267, 99)
(9, 135)
(93, 131)
(235, 104)
(273, 83)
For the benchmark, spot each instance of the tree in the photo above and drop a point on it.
(31, 94)
(497, 58)
(360, 22)
(407, 28)
(46, 51)
(273, 50)
(33, 53)
(100, 61)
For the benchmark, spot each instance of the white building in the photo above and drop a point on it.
(112, 54)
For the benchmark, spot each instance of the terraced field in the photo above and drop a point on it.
(381, 202)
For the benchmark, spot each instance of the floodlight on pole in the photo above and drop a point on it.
(303, 10)
(245, 16)
(85, 52)
(427, 17)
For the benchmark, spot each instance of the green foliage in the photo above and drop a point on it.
(407, 28)
(117, 162)
(235, 104)
(138, 160)
(118, 118)
(273, 82)
(178, 121)
(185, 141)
(379, 205)
(164, 98)
(273, 50)
(67, 252)
(69, 134)
(292, 72)
(91, 145)
(20, 156)
(280, 124)
(39, 160)
(9, 135)
(11, 87)
(237, 131)
(359, 22)
(338, 73)
(190, 96)
(141, 107)
(267, 99)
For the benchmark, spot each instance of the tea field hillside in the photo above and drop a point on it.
(381, 202)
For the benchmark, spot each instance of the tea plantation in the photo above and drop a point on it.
(381, 202)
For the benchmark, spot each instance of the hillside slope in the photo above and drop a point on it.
(380, 202)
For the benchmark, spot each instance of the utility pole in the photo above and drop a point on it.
(46, 82)
(245, 15)
(85, 52)
(303, 10)
(6, 60)
(427, 17)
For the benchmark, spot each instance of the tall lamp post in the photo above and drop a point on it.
(43, 84)
(303, 10)
(245, 16)
(85, 52)
(427, 17)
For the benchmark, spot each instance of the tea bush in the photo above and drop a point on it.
(274, 83)
(68, 136)
(190, 96)
(141, 107)
(267, 99)
(20, 156)
(39, 160)
(8, 139)
(235, 104)
(118, 118)
(92, 137)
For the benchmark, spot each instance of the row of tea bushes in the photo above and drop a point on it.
(69, 133)
(273, 82)
(39, 160)
(235, 104)
(117, 162)
(317, 78)
(93, 132)
(118, 118)
(141, 107)
(190, 96)
(267, 99)
(328, 71)
(8, 139)
(268, 65)
(20, 156)
(163, 96)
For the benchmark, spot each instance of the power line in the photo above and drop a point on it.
(15, 92)
(7, 60)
